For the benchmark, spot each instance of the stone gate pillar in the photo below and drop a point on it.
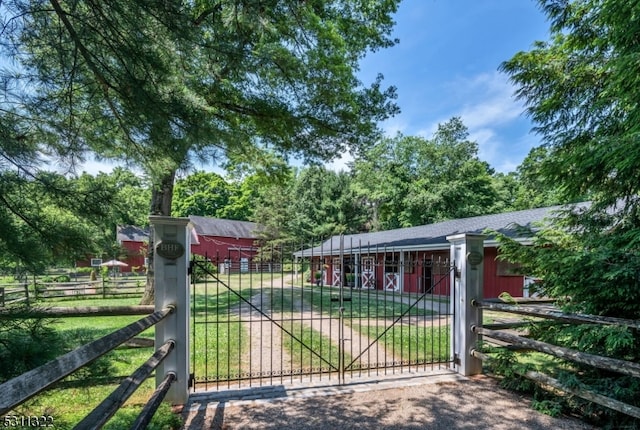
(171, 248)
(467, 253)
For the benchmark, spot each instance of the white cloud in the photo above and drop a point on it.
(493, 102)
(340, 163)
(393, 126)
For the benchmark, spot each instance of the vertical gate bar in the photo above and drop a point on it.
(239, 323)
(206, 331)
(250, 311)
(302, 287)
(412, 270)
(193, 324)
(315, 285)
(299, 322)
(229, 324)
(219, 322)
(281, 348)
(434, 269)
(442, 267)
(401, 291)
(206, 335)
(377, 313)
(374, 268)
(322, 310)
(341, 315)
(352, 265)
(258, 267)
(330, 312)
(428, 317)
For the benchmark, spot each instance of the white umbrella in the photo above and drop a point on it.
(114, 263)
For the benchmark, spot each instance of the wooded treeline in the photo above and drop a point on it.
(399, 181)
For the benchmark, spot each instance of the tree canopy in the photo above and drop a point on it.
(581, 90)
(410, 180)
(159, 85)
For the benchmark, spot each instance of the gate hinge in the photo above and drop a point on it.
(190, 268)
(456, 359)
(192, 380)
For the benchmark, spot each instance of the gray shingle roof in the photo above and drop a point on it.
(131, 233)
(224, 227)
(434, 236)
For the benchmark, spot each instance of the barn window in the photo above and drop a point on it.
(507, 268)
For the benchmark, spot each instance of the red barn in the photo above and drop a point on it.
(229, 244)
(135, 240)
(407, 259)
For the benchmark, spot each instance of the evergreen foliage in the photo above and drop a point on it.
(580, 90)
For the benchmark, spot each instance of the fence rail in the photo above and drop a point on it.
(13, 293)
(21, 388)
(111, 288)
(606, 363)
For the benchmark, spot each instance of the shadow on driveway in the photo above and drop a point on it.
(419, 403)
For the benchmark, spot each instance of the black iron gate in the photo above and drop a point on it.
(280, 317)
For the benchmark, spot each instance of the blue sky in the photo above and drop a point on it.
(446, 65)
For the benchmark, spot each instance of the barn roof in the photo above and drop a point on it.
(132, 233)
(224, 227)
(434, 236)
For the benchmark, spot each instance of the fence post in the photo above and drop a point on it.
(467, 253)
(172, 243)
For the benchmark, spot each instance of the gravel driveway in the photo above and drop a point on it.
(443, 402)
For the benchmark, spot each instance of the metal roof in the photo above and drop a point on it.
(434, 236)
(132, 233)
(203, 226)
(224, 227)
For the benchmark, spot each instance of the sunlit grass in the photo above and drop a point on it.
(415, 344)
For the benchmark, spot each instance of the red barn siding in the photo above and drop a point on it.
(136, 253)
(219, 248)
(494, 284)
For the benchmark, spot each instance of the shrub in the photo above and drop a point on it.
(202, 268)
(26, 342)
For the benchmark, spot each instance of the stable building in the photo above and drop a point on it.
(415, 259)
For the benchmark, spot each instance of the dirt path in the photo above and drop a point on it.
(266, 355)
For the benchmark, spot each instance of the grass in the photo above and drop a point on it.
(225, 300)
(311, 350)
(72, 398)
(357, 304)
(413, 344)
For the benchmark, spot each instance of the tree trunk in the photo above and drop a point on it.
(161, 197)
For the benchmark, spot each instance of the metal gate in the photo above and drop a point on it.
(279, 322)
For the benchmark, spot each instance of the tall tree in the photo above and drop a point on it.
(201, 193)
(408, 180)
(155, 83)
(323, 204)
(577, 90)
(581, 90)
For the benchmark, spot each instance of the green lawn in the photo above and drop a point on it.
(413, 344)
(225, 301)
(71, 399)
